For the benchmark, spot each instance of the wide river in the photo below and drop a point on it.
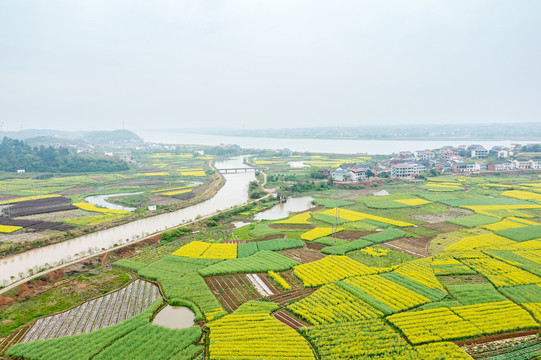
(315, 145)
(234, 192)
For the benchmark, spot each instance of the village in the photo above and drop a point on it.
(462, 160)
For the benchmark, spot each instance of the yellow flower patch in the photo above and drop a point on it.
(330, 269)
(356, 216)
(92, 207)
(156, 174)
(301, 219)
(7, 229)
(176, 192)
(319, 232)
(522, 195)
(175, 188)
(375, 252)
(480, 241)
(420, 271)
(194, 249)
(201, 250)
(413, 202)
(35, 197)
(192, 173)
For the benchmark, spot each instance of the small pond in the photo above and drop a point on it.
(240, 224)
(175, 317)
(283, 210)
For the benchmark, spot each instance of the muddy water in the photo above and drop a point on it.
(283, 210)
(101, 200)
(234, 192)
(175, 317)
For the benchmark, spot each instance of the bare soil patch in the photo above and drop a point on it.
(443, 227)
(289, 319)
(497, 337)
(314, 246)
(302, 255)
(449, 215)
(417, 247)
(290, 296)
(40, 206)
(232, 290)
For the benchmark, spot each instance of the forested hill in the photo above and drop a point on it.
(16, 154)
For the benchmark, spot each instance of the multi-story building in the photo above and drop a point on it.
(522, 164)
(502, 166)
(407, 170)
(479, 153)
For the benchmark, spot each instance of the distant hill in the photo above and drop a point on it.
(59, 137)
(518, 131)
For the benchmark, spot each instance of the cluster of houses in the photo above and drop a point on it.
(461, 159)
(351, 173)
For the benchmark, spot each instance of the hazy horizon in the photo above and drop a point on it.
(90, 65)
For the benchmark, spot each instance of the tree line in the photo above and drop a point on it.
(16, 154)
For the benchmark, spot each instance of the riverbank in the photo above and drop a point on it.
(217, 182)
(131, 243)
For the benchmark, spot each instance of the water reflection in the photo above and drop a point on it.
(283, 210)
(175, 317)
(234, 192)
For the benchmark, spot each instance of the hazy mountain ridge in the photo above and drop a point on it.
(60, 137)
(524, 131)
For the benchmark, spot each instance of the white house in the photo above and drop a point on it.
(406, 170)
(534, 163)
(479, 152)
(340, 175)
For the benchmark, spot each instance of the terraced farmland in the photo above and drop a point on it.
(104, 311)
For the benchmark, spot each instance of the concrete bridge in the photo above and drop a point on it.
(236, 170)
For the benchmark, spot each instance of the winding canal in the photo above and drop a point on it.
(233, 193)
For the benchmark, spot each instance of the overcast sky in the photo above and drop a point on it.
(93, 64)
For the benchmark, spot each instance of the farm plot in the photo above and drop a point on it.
(330, 269)
(417, 247)
(12, 339)
(501, 273)
(524, 348)
(462, 322)
(36, 225)
(302, 255)
(289, 319)
(332, 304)
(387, 294)
(232, 290)
(252, 333)
(82, 346)
(104, 311)
(373, 339)
(290, 296)
(40, 206)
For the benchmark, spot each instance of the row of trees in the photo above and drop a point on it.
(16, 154)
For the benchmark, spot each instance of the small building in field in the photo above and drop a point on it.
(21, 171)
(151, 207)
